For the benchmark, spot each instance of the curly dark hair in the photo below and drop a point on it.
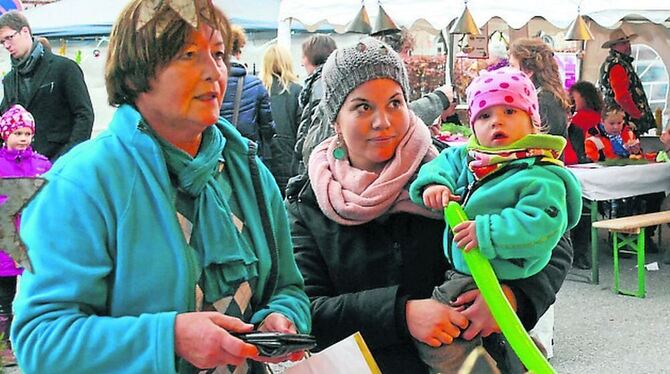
(593, 99)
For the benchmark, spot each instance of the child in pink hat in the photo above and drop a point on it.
(17, 160)
(518, 196)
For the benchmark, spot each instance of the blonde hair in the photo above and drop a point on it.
(239, 39)
(277, 62)
(610, 110)
(537, 57)
(135, 56)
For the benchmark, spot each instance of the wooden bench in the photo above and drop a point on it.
(631, 225)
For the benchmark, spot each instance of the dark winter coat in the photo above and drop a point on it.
(59, 101)
(255, 117)
(359, 278)
(310, 116)
(552, 113)
(286, 114)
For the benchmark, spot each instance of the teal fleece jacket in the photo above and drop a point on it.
(111, 266)
(519, 215)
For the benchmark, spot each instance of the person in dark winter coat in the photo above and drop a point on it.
(279, 79)
(254, 116)
(369, 257)
(315, 51)
(50, 87)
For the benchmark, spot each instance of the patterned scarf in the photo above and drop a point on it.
(484, 161)
(306, 93)
(617, 142)
(350, 196)
(225, 259)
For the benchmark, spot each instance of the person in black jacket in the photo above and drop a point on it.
(50, 87)
(370, 258)
(253, 116)
(315, 51)
(279, 79)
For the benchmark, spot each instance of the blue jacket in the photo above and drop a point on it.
(255, 116)
(519, 215)
(111, 265)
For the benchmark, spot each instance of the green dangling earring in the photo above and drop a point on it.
(339, 152)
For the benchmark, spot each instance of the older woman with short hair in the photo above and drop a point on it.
(157, 241)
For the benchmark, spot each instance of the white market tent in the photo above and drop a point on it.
(650, 19)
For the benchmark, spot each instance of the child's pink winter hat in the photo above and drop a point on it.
(15, 118)
(505, 86)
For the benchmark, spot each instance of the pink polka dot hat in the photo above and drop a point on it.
(15, 118)
(505, 86)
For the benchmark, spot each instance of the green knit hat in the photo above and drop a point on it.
(348, 68)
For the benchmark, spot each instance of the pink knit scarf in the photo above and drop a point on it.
(350, 196)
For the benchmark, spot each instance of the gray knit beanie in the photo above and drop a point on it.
(348, 68)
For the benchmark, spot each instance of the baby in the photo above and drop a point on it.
(519, 197)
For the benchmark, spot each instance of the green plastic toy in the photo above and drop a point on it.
(502, 311)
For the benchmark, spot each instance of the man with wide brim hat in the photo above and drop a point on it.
(621, 85)
(618, 36)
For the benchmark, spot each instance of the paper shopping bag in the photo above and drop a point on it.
(347, 356)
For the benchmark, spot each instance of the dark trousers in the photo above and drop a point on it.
(7, 292)
(581, 234)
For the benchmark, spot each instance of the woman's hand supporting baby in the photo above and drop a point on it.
(431, 322)
(475, 309)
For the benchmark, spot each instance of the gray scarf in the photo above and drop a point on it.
(28, 64)
(23, 72)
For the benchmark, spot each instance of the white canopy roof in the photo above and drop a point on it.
(439, 13)
(95, 17)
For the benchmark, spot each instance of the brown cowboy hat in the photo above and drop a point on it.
(618, 36)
